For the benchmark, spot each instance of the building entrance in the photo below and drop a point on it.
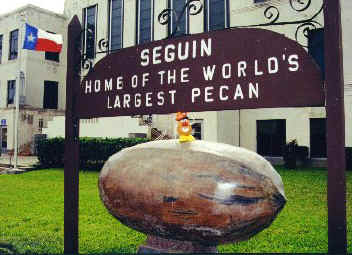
(271, 137)
(318, 138)
(3, 139)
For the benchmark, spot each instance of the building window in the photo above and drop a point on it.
(271, 137)
(197, 128)
(216, 14)
(89, 36)
(13, 44)
(177, 6)
(50, 95)
(30, 119)
(1, 48)
(40, 124)
(318, 138)
(3, 138)
(316, 47)
(116, 24)
(11, 90)
(53, 56)
(145, 13)
(89, 121)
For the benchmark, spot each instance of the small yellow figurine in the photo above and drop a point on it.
(184, 128)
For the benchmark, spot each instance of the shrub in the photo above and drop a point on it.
(50, 152)
(302, 154)
(93, 151)
(348, 151)
(293, 153)
(290, 155)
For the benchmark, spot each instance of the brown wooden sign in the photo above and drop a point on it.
(221, 70)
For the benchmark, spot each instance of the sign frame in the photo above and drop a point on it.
(337, 233)
(231, 69)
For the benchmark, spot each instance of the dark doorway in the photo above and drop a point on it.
(3, 139)
(271, 137)
(197, 130)
(50, 95)
(318, 138)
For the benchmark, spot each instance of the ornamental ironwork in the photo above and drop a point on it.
(86, 62)
(194, 7)
(271, 16)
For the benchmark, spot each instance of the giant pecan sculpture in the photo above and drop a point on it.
(202, 192)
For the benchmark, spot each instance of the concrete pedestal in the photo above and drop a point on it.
(160, 245)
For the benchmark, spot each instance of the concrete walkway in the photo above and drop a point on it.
(24, 163)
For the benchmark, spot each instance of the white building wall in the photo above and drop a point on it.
(297, 124)
(103, 127)
(160, 31)
(55, 128)
(129, 34)
(36, 70)
(210, 119)
(33, 63)
(227, 128)
(238, 127)
(346, 10)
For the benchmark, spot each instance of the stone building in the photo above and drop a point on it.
(42, 94)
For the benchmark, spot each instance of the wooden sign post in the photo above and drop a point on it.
(335, 128)
(71, 175)
(138, 80)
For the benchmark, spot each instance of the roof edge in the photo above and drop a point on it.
(34, 7)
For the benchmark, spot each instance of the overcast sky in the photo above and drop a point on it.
(52, 5)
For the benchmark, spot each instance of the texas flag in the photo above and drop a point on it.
(37, 39)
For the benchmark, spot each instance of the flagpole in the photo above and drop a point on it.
(18, 85)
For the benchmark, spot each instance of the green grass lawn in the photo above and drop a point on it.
(32, 213)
